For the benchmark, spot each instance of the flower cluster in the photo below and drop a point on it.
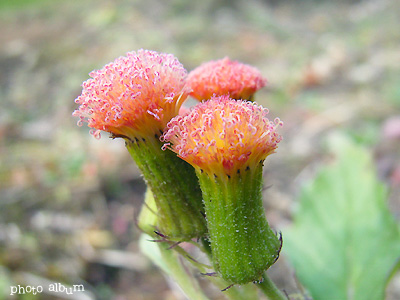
(210, 164)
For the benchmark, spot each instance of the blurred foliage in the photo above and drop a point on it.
(20, 4)
(344, 243)
(66, 199)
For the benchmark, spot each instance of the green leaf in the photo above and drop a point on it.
(344, 243)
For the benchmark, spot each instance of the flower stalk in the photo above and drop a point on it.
(175, 188)
(243, 245)
(169, 261)
(270, 290)
(227, 142)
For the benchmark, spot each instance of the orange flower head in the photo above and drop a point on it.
(222, 135)
(136, 95)
(225, 77)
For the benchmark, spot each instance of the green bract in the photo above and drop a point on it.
(243, 245)
(175, 189)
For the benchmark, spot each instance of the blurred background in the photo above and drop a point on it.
(68, 202)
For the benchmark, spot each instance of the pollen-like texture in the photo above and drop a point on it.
(225, 77)
(136, 95)
(223, 135)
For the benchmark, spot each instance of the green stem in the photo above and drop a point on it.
(245, 292)
(169, 262)
(243, 245)
(270, 289)
(175, 188)
(168, 259)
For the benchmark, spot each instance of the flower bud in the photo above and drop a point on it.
(225, 77)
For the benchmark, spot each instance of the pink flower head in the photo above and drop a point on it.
(222, 135)
(225, 77)
(136, 95)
